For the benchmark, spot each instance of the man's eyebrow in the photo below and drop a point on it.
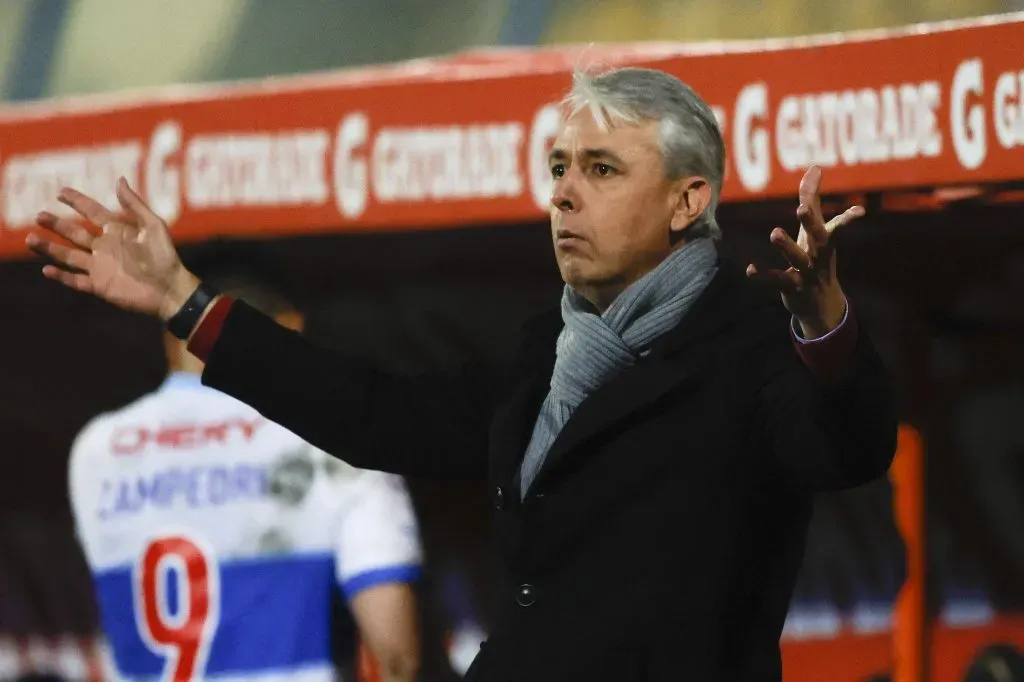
(559, 154)
(605, 154)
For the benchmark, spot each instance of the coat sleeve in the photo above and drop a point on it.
(827, 430)
(432, 425)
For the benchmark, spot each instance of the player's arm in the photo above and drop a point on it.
(433, 425)
(378, 562)
(386, 615)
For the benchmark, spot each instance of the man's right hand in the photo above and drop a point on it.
(126, 258)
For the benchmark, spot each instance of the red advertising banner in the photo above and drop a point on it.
(458, 141)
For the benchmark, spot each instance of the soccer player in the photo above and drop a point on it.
(218, 540)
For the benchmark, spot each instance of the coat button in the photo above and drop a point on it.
(499, 498)
(526, 596)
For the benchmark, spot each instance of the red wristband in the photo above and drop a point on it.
(203, 338)
(829, 356)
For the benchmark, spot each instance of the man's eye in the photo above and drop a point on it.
(603, 169)
(558, 170)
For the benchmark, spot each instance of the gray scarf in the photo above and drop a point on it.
(593, 348)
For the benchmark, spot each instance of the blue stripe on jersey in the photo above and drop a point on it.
(380, 576)
(274, 614)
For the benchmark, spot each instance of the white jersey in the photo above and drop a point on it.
(216, 538)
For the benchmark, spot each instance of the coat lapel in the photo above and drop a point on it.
(513, 426)
(639, 387)
(514, 420)
(676, 360)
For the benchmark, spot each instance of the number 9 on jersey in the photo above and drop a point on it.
(176, 603)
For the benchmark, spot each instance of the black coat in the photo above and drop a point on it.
(662, 538)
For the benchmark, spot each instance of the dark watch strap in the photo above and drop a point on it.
(187, 317)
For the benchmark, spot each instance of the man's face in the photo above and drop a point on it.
(611, 207)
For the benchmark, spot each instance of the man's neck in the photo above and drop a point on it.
(186, 363)
(601, 297)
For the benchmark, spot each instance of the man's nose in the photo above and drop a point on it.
(564, 196)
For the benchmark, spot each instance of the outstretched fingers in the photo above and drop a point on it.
(74, 259)
(68, 229)
(786, 281)
(75, 280)
(66, 257)
(87, 207)
(845, 218)
(810, 189)
(827, 249)
(134, 206)
(796, 256)
(813, 223)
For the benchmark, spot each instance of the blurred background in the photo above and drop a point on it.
(939, 284)
(64, 47)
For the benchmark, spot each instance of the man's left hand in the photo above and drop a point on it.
(809, 288)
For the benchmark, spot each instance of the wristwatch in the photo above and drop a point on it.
(188, 316)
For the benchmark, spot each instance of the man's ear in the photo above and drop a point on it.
(692, 197)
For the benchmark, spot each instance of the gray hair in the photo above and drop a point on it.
(691, 142)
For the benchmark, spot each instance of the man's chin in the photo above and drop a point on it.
(582, 284)
(571, 275)
(575, 267)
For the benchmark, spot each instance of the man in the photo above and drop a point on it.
(218, 539)
(653, 450)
